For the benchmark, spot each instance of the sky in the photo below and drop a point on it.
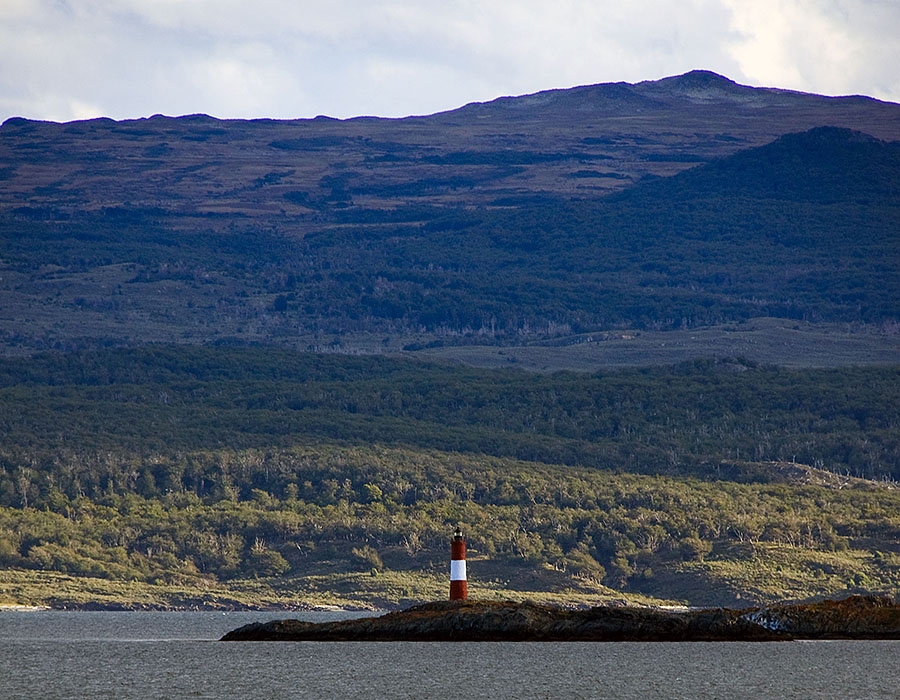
(76, 59)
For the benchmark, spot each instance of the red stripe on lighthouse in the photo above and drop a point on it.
(458, 586)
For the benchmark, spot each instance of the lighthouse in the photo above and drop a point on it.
(458, 586)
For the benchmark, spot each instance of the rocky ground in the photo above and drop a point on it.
(857, 617)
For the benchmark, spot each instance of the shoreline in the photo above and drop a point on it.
(856, 617)
(150, 607)
(14, 607)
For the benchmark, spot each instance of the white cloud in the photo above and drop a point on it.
(65, 59)
(830, 46)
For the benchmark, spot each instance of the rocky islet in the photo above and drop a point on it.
(856, 617)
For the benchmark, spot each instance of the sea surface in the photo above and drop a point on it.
(144, 655)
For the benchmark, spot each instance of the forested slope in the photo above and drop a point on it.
(804, 228)
(322, 476)
(683, 419)
(175, 448)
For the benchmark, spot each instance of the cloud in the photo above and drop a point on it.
(834, 47)
(68, 59)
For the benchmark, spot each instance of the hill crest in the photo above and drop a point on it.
(826, 163)
(697, 86)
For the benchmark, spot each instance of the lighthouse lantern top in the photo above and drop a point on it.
(458, 535)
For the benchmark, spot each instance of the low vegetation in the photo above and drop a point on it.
(315, 515)
(225, 477)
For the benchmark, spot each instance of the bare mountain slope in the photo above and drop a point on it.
(492, 220)
(575, 142)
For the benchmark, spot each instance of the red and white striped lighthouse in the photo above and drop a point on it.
(458, 587)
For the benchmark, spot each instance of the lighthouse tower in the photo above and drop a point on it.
(458, 586)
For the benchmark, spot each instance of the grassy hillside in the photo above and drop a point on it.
(328, 524)
(190, 476)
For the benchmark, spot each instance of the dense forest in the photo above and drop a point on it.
(686, 419)
(174, 464)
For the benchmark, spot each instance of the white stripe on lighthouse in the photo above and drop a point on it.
(457, 569)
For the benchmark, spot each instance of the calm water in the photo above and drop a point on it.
(174, 655)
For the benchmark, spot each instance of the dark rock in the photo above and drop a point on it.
(854, 618)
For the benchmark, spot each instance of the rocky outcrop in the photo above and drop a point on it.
(857, 617)
(854, 618)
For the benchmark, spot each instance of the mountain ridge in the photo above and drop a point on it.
(425, 229)
(699, 84)
(693, 83)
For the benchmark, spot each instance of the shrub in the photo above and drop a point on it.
(367, 557)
